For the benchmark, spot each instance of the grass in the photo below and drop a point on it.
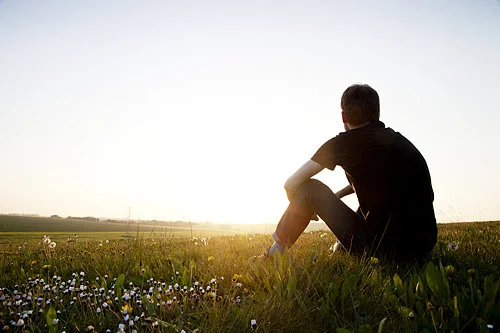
(219, 284)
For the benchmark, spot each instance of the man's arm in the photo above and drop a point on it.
(305, 172)
(345, 191)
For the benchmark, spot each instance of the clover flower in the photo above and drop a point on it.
(253, 323)
(52, 245)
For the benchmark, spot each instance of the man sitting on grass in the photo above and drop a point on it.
(389, 176)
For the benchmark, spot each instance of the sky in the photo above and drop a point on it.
(200, 110)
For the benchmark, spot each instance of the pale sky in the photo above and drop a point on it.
(200, 110)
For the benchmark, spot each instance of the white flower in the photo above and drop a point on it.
(20, 323)
(253, 323)
(54, 322)
(453, 246)
(52, 245)
(98, 310)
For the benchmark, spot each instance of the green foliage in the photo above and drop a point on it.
(220, 284)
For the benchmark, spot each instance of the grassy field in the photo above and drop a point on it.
(207, 283)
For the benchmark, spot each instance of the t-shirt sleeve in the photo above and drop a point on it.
(326, 154)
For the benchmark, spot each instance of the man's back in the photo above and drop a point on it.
(391, 180)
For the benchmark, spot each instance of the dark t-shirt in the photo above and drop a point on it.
(391, 180)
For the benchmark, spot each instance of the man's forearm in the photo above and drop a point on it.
(345, 191)
(305, 172)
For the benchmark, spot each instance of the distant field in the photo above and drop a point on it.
(28, 227)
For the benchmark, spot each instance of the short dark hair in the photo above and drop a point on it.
(361, 104)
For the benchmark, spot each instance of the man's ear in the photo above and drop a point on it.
(344, 117)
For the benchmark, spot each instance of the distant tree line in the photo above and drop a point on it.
(86, 218)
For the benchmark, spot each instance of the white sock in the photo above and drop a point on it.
(275, 247)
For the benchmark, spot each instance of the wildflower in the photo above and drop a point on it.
(90, 328)
(20, 323)
(453, 246)
(411, 315)
(54, 322)
(450, 270)
(126, 309)
(490, 326)
(52, 245)
(374, 261)
(253, 323)
(121, 326)
(98, 310)
(210, 258)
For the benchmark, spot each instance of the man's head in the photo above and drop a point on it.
(360, 105)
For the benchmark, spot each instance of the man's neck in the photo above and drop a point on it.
(350, 126)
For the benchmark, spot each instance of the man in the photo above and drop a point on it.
(389, 176)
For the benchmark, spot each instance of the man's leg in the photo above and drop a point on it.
(315, 197)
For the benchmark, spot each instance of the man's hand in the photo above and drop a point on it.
(305, 172)
(345, 191)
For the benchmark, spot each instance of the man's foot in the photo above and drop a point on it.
(276, 247)
(338, 247)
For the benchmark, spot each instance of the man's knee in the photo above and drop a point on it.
(311, 185)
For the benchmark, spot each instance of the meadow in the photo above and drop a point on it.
(191, 280)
